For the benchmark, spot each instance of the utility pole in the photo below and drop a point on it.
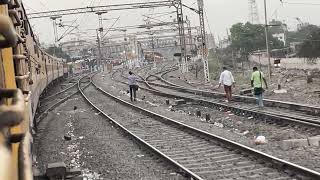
(189, 34)
(267, 39)
(99, 51)
(178, 5)
(100, 35)
(55, 27)
(153, 55)
(124, 46)
(204, 50)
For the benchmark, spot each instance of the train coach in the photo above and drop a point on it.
(25, 71)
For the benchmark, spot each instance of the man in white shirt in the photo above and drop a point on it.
(133, 86)
(226, 78)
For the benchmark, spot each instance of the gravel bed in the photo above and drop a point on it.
(152, 130)
(225, 124)
(98, 149)
(292, 80)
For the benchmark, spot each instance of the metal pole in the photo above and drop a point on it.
(154, 59)
(100, 39)
(267, 38)
(204, 50)
(124, 46)
(182, 37)
(99, 51)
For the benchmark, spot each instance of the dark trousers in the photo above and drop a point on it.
(133, 93)
(228, 90)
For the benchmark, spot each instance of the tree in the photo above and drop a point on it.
(310, 47)
(58, 52)
(248, 37)
(277, 27)
(303, 33)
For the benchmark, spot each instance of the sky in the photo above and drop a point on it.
(221, 15)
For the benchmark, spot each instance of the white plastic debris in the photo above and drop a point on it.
(140, 155)
(220, 125)
(260, 140)
(81, 137)
(251, 117)
(58, 114)
(281, 91)
(245, 132)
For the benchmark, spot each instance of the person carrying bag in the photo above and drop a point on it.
(256, 82)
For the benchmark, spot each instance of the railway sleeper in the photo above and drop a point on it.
(59, 170)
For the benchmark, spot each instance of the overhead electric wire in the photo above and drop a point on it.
(301, 3)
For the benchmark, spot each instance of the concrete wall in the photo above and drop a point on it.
(288, 63)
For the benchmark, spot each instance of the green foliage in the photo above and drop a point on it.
(249, 37)
(277, 27)
(310, 47)
(304, 33)
(57, 52)
(214, 64)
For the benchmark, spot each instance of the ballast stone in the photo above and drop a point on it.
(294, 143)
(314, 141)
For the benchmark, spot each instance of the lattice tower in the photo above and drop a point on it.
(253, 12)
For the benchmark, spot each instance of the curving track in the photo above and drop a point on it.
(272, 115)
(199, 154)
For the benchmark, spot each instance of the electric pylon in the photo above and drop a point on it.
(253, 12)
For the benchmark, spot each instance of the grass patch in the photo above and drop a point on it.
(214, 65)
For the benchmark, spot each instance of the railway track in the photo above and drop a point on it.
(282, 116)
(308, 109)
(272, 115)
(198, 154)
(53, 101)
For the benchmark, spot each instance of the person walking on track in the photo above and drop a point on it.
(226, 78)
(256, 82)
(133, 86)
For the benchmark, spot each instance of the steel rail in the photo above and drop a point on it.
(60, 92)
(285, 165)
(275, 117)
(312, 109)
(39, 119)
(206, 94)
(155, 150)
